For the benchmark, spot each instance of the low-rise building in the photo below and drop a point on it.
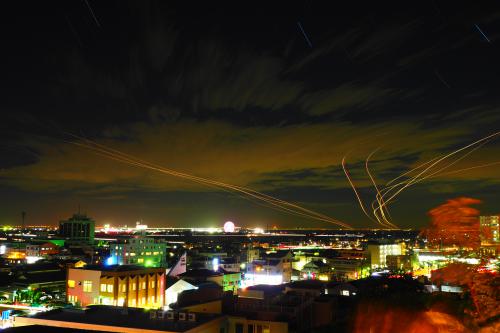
(138, 250)
(114, 319)
(399, 263)
(317, 269)
(229, 281)
(41, 250)
(273, 268)
(127, 285)
(346, 269)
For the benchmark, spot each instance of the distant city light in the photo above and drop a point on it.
(3, 248)
(258, 231)
(229, 226)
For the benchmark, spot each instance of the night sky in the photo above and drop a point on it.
(267, 97)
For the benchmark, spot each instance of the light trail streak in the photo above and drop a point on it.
(482, 33)
(305, 35)
(277, 203)
(379, 198)
(467, 169)
(92, 13)
(360, 201)
(388, 189)
(410, 171)
(416, 178)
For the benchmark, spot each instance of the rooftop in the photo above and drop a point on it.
(117, 268)
(199, 273)
(119, 317)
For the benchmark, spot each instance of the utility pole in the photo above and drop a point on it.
(23, 217)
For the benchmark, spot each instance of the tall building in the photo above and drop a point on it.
(128, 285)
(139, 250)
(78, 229)
(379, 250)
(489, 227)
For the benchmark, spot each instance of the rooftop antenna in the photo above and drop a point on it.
(23, 217)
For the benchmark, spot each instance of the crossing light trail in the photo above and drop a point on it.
(382, 219)
(387, 190)
(360, 201)
(276, 203)
(421, 176)
(467, 169)
(437, 162)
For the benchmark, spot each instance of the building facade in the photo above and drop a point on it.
(489, 229)
(41, 250)
(274, 268)
(378, 252)
(78, 229)
(139, 250)
(127, 285)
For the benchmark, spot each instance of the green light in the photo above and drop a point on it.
(149, 263)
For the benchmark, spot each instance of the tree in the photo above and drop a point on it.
(455, 223)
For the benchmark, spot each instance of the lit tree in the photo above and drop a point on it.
(455, 223)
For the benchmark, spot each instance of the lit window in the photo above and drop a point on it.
(87, 286)
(152, 284)
(143, 301)
(144, 285)
(103, 287)
(71, 283)
(110, 288)
(124, 287)
(133, 286)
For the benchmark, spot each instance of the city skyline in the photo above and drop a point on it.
(270, 100)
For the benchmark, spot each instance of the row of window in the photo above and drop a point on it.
(133, 254)
(87, 286)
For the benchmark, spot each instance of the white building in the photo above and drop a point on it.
(378, 252)
(274, 268)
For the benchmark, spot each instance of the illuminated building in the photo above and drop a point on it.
(14, 253)
(249, 254)
(274, 268)
(316, 269)
(175, 288)
(41, 250)
(346, 269)
(138, 250)
(378, 252)
(127, 285)
(397, 263)
(230, 265)
(489, 229)
(46, 276)
(78, 229)
(229, 281)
